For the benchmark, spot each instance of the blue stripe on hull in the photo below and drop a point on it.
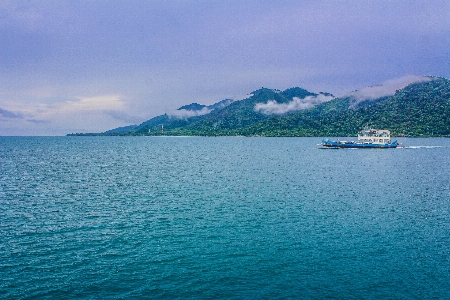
(336, 145)
(367, 146)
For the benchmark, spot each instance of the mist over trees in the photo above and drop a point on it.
(422, 109)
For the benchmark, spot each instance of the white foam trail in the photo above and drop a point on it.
(422, 147)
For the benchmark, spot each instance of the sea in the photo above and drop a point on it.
(222, 218)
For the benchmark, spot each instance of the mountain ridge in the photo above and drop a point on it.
(418, 109)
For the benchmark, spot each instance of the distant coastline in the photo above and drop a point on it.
(421, 109)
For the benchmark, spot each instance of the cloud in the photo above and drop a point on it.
(38, 121)
(94, 113)
(184, 113)
(10, 114)
(387, 88)
(122, 116)
(108, 102)
(187, 113)
(273, 107)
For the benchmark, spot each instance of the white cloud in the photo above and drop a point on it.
(108, 102)
(86, 114)
(273, 107)
(387, 88)
(187, 113)
(98, 103)
(184, 113)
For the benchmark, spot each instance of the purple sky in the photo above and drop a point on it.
(90, 66)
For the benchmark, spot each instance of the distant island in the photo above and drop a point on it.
(420, 109)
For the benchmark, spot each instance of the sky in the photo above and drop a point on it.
(90, 66)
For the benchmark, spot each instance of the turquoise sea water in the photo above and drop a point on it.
(222, 218)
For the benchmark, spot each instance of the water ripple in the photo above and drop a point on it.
(222, 218)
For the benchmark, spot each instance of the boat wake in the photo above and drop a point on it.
(421, 147)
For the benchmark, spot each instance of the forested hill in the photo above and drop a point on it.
(420, 109)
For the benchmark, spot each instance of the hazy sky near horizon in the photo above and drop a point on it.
(90, 66)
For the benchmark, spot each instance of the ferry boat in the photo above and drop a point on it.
(367, 138)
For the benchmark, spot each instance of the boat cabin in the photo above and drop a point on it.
(374, 136)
